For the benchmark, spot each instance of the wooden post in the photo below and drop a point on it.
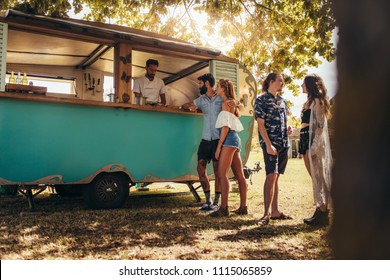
(122, 71)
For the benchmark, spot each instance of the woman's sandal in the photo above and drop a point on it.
(264, 221)
(282, 216)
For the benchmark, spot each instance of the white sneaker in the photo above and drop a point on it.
(208, 207)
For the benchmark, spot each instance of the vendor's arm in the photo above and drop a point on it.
(163, 99)
(162, 93)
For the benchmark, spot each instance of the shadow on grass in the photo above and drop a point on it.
(259, 233)
(284, 248)
(66, 229)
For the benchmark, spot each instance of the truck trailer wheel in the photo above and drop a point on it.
(107, 191)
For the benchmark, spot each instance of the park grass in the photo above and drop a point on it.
(165, 224)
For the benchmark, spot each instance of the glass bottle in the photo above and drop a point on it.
(24, 80)
(18, 79)
(12, 78)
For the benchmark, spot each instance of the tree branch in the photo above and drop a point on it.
(190, 17)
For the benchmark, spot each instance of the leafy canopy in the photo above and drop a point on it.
(266, 35)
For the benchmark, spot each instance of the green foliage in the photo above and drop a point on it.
(268, 35)
(294, 121)
(54, 8)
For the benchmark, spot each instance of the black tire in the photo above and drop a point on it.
(69, 190)
(107, 191)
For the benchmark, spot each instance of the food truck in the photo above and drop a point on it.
(69, 118)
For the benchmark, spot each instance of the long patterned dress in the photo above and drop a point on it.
(320, 156)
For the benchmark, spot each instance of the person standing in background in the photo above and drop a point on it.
(271, 117)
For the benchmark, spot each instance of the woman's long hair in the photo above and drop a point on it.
(230, 94)
(316, 89)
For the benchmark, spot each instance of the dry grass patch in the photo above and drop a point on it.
(165, 227)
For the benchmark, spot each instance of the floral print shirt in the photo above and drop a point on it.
(273, 111)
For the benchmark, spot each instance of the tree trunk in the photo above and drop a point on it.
(361, 186)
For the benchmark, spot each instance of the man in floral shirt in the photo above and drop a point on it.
(271, 117)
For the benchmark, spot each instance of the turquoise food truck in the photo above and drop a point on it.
(69, 119)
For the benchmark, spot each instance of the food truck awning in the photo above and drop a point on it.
(41, 40)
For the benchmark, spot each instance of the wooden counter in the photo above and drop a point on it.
(18, 88)
(77, 101)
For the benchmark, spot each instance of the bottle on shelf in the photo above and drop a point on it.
(24, 80)
(12, 78)
(18, 79)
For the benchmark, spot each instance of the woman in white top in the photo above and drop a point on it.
(228, 149)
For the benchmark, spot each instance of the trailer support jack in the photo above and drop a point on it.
(193, 191)
(27, 191)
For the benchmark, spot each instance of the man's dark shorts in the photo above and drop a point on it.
(207, 150)
(275, 163)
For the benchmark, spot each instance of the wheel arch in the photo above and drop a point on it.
(110, 168)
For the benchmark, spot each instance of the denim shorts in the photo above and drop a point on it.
(232, 140)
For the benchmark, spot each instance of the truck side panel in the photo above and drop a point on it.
(40, 139)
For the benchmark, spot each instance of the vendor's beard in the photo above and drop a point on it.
(203, 90)
(151, 77)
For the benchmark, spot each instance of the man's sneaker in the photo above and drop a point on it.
(208, 207)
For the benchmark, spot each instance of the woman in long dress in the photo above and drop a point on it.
(228, 149)
(315, 147)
